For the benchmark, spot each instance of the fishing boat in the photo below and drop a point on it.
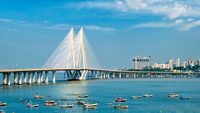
(79, 99)
(80, 103)
(147, 95)
(37, 96)
(172, 95)
(63, 99)
(185, 98)
(66, 105)
(84, 96)
(30, 105)
(120, 99)
(50, 103)
(3, 103)
(121, 107)
(136, 97)
(94, 104)
(89, 106)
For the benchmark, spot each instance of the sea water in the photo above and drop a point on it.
(104, 93)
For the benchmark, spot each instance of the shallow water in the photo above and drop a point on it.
(104, 91)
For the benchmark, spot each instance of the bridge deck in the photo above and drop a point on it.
(89, 69)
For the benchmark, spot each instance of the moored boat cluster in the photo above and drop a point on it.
(86, 103)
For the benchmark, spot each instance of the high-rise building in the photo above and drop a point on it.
(141, 62)
(171, 63)
(198, 62)
(190, 62)
(184, 64)
(178, 62)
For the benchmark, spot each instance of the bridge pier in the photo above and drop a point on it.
(4, 78)
(46, 77)
(104, 75)
(38, 77)
(8, 79)
(29, 77)
(15, 78)
(101, 75)
(127, 75)
(24, 77)
(134, 75)
(120, 75)
(41, 77)
(96, 74)
(33, 77)
(108, 75)
(53, 77)
(19, 78)
(113, 75)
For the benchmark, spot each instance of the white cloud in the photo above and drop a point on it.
(5, 20)
(136, 4)
(189, 26)
(16, 22)
(89, 27)
(155, 25)
(179, 21)
(171, 9)
(180, 14)
(98, 28)
(180, 25)
(190, 19)
(49, 26)
(117, 5)
(57, 27)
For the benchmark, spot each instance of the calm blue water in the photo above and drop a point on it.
(104, 91)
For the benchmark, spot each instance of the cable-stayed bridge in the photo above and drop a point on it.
(74, 52)
(76, 58)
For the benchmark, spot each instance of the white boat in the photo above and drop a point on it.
(147, 95)
(121, 107)
(30, 105)
(136, 97)
(94, 104)
(66, 105)
(3, 103)
(37, 96)
(50, 103)
(119, 99)
(172, 95)
(89, 106)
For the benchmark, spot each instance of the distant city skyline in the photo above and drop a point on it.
(118, 30)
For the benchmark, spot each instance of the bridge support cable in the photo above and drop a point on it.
(74, 52)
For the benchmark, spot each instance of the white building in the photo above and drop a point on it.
(191, 62)
(168, 65)
(161, 66)
(171, 64)
(141, 62)
(178, 62)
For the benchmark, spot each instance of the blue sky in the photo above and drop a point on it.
(117, 30)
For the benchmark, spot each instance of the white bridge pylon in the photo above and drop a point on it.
(74, 52)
